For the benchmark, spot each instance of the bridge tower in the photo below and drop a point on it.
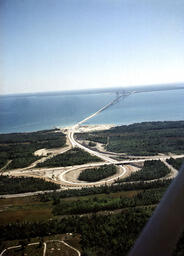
(117, 94)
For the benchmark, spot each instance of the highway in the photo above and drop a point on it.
(105, 107)
(105, 158)
(90, 151)
(74, 128)
(74, 185)
(59, 174)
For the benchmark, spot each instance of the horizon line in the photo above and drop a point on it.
(96, 90)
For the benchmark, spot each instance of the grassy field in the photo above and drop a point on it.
(128, 194)
(31, 209)
(24, 209)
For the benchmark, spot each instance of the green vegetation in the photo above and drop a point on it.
(48, 138)
(3, 161)
(100, 137)
(107, 219)
(96, 174)
(56, 196)
(19, 147)
(96, 204)
(14, 185)
(109, 235)
(148, 138)
(24, 209)
(74, 156)
(176, 163)
(20, 154)
(39, 208)
(91, 144)
(100, 234)
(151, 170)
(113, 234)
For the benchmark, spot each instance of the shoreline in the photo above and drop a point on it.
(90, 127)
(86, 127)
(64, 175)
(35, 114)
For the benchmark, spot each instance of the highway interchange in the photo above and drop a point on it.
(65, 175)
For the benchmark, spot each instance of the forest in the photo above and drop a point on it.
(151, 170)
(15, 185)
(96, 174)
(95, 204)
(113, 234)
(109, 233)
(147, 138)
(108, 219)
(100, 235)
(19, 147)
(176, 163)
(56, 196)
(73, 156)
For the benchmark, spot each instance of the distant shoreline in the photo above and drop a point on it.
(34, 113)
(91, 127)
(138, 88)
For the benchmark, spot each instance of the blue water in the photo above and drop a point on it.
(23, 113)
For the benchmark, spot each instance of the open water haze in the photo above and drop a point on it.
(32, 112)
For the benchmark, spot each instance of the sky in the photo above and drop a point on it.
(54, 45)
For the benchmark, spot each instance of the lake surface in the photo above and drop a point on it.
(32, 112)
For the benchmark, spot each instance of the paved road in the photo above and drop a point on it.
(90, 151)
(5, 166)
(173, 172)
(102, 182)
(74, 185)
(107, 160)
(105, 107)
(15, 247)
(44, 248)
